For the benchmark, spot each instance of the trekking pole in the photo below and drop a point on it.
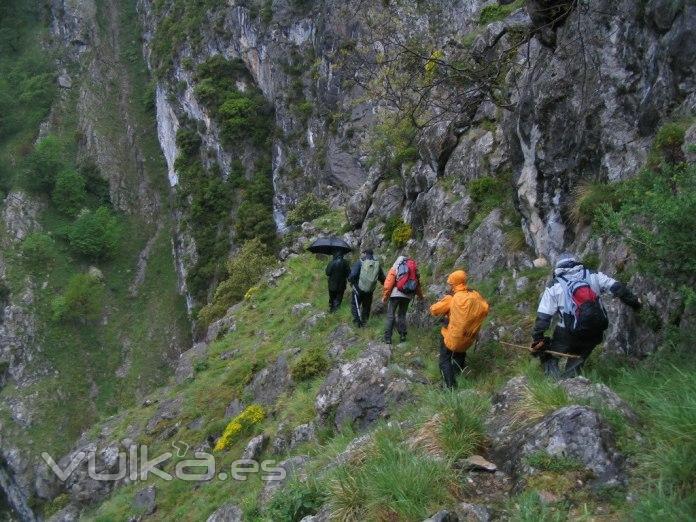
(357, 303)
(550, 352)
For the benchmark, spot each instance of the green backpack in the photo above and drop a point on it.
(369, 272)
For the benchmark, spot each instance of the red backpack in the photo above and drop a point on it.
(407, 277)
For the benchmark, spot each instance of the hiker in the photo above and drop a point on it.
(337, 273)
(573, 294)
(464, 311)
(400, 286)
(364, 276)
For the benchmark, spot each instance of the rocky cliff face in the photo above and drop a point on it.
(587, 92)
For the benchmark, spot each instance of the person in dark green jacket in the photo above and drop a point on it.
(337, 272)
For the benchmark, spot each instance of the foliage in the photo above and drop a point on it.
(307, 209)
(69, 193)
(244, 271)
(39, 250)
(488, 192)
(495, 12)
(296, 500)
(392, 143)
(401, 235)
(44, 163)
(312, 362)
(249, 417)
(255, 214)
(589, 199)
(81, 300)
(667, 147)
(241, 114)
(656, 217)
(95, 234)
(528, 507)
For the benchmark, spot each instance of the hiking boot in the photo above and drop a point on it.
(387, 340)
(402, 338)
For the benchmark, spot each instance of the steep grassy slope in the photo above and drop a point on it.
(391, 478)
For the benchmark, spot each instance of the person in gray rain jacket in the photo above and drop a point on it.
(573, 295)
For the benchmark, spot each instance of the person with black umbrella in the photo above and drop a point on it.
(337, 272)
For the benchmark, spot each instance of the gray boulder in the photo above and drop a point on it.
(187, 360)
(293, 467)
(271, 382)
(227, 513)
(473, 513)
(255, 447)
(145, 500)
(357, 393)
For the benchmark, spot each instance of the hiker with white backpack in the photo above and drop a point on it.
(401, 285)
(363, 277)
(574, 296)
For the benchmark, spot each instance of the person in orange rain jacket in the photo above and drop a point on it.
(464, 311)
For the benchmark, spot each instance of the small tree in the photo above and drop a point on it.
(95, 234)
(39, 250)
(69, 193)
(82, 300)
(308, 209)
(44, 163)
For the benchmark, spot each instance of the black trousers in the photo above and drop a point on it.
(451, 364)
(336, 298)
(396, 315)
(360, 305)
(564, 342)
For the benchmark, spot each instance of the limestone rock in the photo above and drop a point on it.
(227, 513)
(303, 433)
(580, 388)
(145, 500)
(255, 447)
(473, 513)
(358, 392)
(185, 366)
(270, 382)
(443, 516)
(293, 467)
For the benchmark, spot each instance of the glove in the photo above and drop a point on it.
(539, 346)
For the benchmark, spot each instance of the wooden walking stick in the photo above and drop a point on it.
(550, 352)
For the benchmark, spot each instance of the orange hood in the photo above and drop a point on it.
(457, 280)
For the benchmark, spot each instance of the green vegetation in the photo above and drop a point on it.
(556, 463)
(244, 270)
(590, 199)
(401, 235)
(488, 192)
(495, 12)
(69, 193)
(39, 250)
(81, 301)
(392, 143)
(241, 114)
(307, 209)
(48, 158)
(667, 146)
(95, 234)
(309, 364)
(656, 218)
(297, 500)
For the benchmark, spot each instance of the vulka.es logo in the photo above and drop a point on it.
(136, 465)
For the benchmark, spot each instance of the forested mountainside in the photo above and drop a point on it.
(164, 165)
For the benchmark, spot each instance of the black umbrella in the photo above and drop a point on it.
(329, 246)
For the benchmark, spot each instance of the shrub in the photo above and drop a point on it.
(244, 271)
(308, 209)
(657, 217)
(488, 192)
(392, 143)
(82, 299)
(95, 234)
(39, 249)
(95, 184)
(249, 417)
(667, 146)
(555, 463)
(589, 199)
(311, 363)
(44, 163)
(69, 193)
(401, 235)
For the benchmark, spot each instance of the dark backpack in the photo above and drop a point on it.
(585, 314)
(407, 277)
